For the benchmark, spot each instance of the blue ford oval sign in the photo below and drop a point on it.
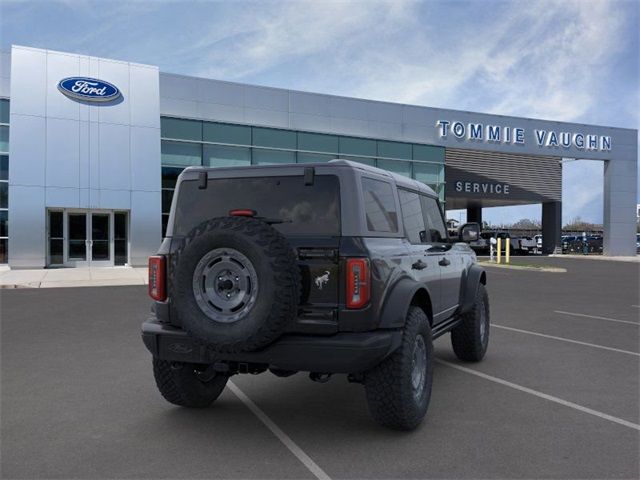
(89, 89)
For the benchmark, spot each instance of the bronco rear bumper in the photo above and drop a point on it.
(339, 353)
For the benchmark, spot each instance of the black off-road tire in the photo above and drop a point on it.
(469, 340)
(388, 386)
(278, 280)
(179, 384)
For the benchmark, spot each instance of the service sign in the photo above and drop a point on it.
(88, 89)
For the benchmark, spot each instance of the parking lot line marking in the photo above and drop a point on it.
(566, 340)
(536, 393)
(277, 431)
(596, 317)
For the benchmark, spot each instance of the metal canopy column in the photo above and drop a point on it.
(551, 226)
(474, 214)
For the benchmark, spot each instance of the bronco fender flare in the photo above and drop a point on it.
(475, 276)
(399, 298)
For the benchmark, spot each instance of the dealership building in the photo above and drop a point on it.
(90, 150)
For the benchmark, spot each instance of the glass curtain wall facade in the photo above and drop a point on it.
(193, 142)
(4, 181)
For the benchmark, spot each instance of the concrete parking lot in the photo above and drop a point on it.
(556, 397)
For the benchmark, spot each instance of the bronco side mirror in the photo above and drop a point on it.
(469, 232)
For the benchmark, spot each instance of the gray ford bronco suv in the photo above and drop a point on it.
(324, 268)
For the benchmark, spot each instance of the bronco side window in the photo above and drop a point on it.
(412, 216)
(436, 231)
(380, 206)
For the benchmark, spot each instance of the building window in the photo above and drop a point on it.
(225, 133)
(4, 181)
(315, 142)
(4, 111)
(181, 153)
(396, 166)
(271, 157)
(304, 157)
(358, 146)
(428, 153)
(169, 180)
(394, 150)
(180, 129)
(225, 156)
(428, 173)
(274, 138)
(365, 160)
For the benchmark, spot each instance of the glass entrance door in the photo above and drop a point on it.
(100, 243)
(87, 238)
(77, 240)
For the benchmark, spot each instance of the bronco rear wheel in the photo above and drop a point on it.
(399, 389)
(236, 283)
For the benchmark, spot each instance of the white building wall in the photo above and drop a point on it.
(71, 154)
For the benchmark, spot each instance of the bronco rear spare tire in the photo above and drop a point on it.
(236, 283)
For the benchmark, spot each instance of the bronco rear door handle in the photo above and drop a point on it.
(444, 262)
(419, 265)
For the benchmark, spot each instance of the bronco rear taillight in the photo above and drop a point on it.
(157, 278)
(358, 282)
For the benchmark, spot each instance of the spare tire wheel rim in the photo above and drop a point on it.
(419, 367)
(225, 285)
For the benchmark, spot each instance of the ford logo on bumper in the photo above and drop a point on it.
(88, 89)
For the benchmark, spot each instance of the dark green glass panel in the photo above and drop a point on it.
(270, 157)
(167, 196)
(271, 137)
(4, 111)
(358, 146)
(4, 195)
(4, 138)
(180, 129)
(428, 173)
(316, 142)
(394, 150)
(170, 176)
(396, 166)
(428, 153)
(314, 157)
(4, 167)
(4, 223)
(4, 250)
(225, 133)
(224, 156)
(179, 153)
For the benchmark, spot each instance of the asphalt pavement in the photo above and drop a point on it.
(556, 397)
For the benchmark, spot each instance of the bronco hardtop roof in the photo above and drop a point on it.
(400, 180)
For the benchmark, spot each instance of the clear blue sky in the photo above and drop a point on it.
(563, 60)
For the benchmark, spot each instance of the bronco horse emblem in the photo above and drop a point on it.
(322, 280)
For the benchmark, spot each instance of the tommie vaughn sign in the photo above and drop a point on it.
(478, 132)
(88, 89)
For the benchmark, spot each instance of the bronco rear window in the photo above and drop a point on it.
(302, 209)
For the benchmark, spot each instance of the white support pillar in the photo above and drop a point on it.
(620, 199)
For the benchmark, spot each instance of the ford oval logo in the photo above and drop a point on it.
(89, 89)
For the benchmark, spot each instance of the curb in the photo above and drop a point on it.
(522, 267)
